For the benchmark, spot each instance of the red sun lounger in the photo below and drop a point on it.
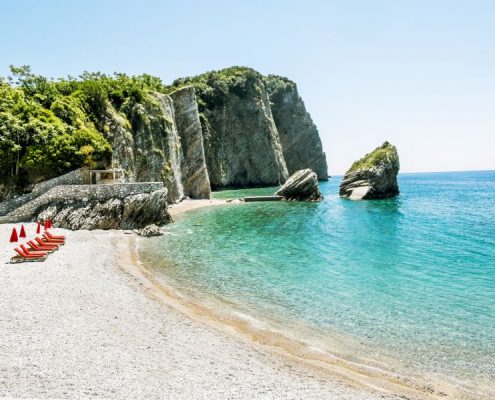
(46, 247)
(22, 253)
(52, 236)
(44, 242)
(23, 257)
(32, 252)
(51, 240)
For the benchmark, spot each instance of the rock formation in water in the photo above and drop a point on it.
(132, 212)
(302, 186)
(299, 136)
(374, 176)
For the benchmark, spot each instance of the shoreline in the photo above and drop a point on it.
(177, 210)
(365, 376)
(98, 282)
(85, 324)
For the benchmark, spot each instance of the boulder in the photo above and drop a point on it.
(302, 186)
(150, 230)
(374, 176)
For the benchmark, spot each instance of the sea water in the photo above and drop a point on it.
(412, 278)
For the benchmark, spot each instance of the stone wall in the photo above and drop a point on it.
(65, 193)
(77, 177)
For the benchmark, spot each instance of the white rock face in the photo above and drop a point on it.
(193, 163)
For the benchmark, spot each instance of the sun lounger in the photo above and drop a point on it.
(46, 247)
(32, 252)
(23, 257)
(51, 240)
(45, 242)
(52, 236)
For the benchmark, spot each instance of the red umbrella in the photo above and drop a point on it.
(38, 229)
(23, 232)
(13, 237)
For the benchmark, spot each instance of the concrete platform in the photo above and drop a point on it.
(262, 198)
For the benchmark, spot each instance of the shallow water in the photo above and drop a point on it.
(412, 278)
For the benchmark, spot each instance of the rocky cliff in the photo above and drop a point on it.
(146, 143)
(228, 128)
(374, 176)
(299, 136)
(242, 143)
(193, 162)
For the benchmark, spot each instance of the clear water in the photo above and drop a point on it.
(412, 277)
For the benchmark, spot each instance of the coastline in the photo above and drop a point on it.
(179, 209)
(84, 324)
(370, 378)
(93, 321)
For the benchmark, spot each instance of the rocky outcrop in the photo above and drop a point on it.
(299, 136)
(132, 212)
(241, 140)
(148, 231)
(193, 163)
(374, 176)
(302, 186)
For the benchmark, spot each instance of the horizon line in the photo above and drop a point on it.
(330, 175)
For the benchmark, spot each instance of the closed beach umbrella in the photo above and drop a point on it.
(38, 228)
(23, 232)
(13, 237)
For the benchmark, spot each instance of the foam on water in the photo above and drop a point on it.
(411, 278)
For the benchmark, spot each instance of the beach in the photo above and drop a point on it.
(88, 322)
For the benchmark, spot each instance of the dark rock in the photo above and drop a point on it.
(302, 186)
(150, 230)
(374, 176)
(132, 212)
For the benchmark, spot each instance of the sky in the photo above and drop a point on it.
(418, 73)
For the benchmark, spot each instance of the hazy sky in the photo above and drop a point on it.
(420, 74)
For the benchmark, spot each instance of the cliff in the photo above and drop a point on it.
(228, 128)
(374, 176)
(256, 128)
(193, 162)
(299, 136)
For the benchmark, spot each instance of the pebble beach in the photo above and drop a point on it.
(80, 325)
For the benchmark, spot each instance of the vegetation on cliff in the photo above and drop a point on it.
(385, 154)
(49, 127)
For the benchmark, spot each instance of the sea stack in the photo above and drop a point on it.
(302, 186)
(374, 176)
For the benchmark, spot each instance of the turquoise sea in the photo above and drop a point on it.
(410, 279)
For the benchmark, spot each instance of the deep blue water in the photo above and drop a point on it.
(412, 278)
